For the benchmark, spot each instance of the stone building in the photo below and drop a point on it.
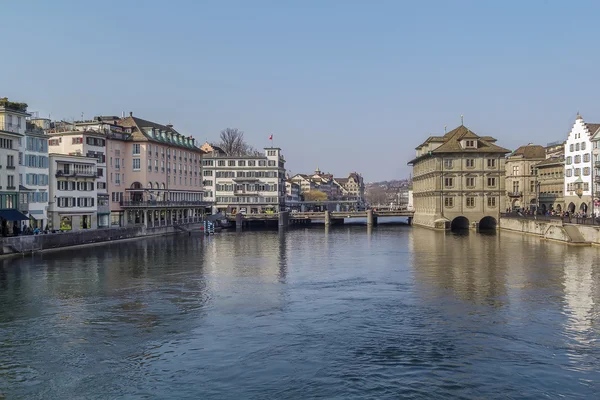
(458, 181)
(578, 166)
(551, 178)
(521, 181)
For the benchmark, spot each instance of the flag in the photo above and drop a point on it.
(271, 137)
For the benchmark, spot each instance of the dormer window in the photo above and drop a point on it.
(470, 144)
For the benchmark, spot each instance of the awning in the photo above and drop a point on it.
(13, 215)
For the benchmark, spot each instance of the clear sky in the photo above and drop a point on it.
(342, 85)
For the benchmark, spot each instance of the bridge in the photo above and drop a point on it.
(285, 218)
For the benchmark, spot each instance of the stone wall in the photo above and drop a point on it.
(31, 243)
(553, 230)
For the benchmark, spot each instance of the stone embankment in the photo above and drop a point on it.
(35, 243)
(553, 229)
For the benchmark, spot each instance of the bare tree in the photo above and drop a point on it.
(233, 143)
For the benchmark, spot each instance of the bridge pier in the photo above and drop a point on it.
(327, 218)
(239, 221)
(371, 218)
(284, 219)
(410, 221)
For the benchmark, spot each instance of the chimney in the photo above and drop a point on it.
(131, 113)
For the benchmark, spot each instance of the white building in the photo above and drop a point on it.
(292, 195)
(73, 192)
(33, 176)
(12, 129)
(578, 167)
(249, 184)
(68, 140)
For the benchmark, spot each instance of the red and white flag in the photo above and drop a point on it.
(271, 137)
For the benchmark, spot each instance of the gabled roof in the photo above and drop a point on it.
(593, 128)
(530, 151)
(551, 161)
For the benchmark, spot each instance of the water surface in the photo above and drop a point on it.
(392, 312)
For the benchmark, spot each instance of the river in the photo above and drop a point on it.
(343, 313)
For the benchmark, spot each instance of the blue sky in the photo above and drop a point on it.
(342, 85)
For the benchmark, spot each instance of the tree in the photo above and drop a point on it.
(233, 143)
(315, 195)
(376, 195)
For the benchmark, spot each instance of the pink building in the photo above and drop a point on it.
(154, 174)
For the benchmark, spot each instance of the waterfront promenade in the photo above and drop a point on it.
(344, 313)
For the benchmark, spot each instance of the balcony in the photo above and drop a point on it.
(597, 179)
(76, 174)
(10, 167)
(161, 204)
(11, 188)
(515, 194)
(597, 164)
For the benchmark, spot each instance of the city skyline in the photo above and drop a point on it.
(354, 83)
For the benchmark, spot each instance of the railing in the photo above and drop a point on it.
(10, 127)
(565, 218)
(76, 174)
(515, 194)
(160, 203)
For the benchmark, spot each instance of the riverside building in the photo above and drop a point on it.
(458, 181)
(248, 184)
(522, 184)
(578, 166)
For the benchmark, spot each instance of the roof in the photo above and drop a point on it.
(140, 133)
(530, 151)
(592, 127)
(452, 144)
(551, 161)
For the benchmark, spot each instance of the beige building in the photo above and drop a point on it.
(551, 179)
(521, 181)
(458, 181)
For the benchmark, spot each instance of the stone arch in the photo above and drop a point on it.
(583, 207)
(516, 203)
(487, 223)
(571, 207)
(459, 223)
(544, 208)
(558, 208)
(149, 185)
(136, 185)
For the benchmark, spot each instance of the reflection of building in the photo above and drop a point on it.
(578, 166)
(458, 180)
(521, 183)
(251, 184)
(73, 192)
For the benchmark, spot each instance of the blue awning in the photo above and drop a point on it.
(12, 214)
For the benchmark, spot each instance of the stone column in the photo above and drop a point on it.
(371, 219)
(239, 220)
(284, 219)
(327, 218)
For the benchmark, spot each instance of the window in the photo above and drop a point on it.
(53, 142)
(577, 159)
(448, 182)
(136, 149)
(491, 202)
(491, 163)
(251, 163)
(470, 201)
(470, 143)
(221, 163)
(571, 147)
(448, 163)
(470, 163)
(136, 164)
(576, 146)
(586, 157)
(569, 173)
(77, 140)
(586, 171)
(448, 201)
(569, 160)
(207, 173)
(582, 145)
(516, 187)
(532, 186)
(262, 163)
(150, 150)
(10, 162)
(241, 163)
(271, 163)
(577, 171)
(491, 182)
(586, 186)
(470, 182)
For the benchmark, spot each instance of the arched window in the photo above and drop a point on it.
(149, 185)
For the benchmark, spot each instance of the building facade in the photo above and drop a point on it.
(73, 193)
(578, 167)
(34, 177)
(248, 184)
(551, 178)
(521, 180)
(292, 195)
(12, 129)
(458, 181)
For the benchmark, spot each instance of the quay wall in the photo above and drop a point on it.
(34, 243)
(553, 230)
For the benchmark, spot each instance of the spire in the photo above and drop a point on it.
(462, 120)
(579, 115)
